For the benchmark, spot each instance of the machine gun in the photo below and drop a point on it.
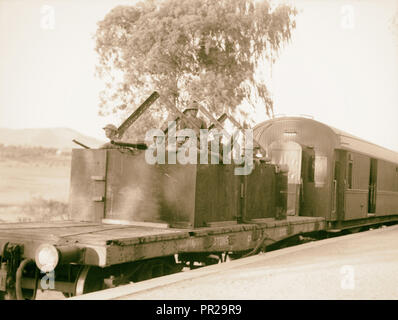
(216, 122)
(137, 113)
(80, 144)
(221, 119)
(237, 124)
(140, 145)
(181, 116)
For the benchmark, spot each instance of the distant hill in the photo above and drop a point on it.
(60, 138)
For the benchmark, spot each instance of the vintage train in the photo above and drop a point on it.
(131, 221)
(332, 174)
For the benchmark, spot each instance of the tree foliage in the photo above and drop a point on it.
(207, 50)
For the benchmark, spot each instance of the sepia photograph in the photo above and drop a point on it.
(198, 154)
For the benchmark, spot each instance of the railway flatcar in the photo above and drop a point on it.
(332, 174)
(131, 220)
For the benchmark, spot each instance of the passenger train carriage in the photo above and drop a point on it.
(332, 174)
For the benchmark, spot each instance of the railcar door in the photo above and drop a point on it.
(342, 178)
(372, 186)
(307, 191)
(289, 153)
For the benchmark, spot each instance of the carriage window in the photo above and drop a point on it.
(349, 175)
(321, 165)
(311, 169)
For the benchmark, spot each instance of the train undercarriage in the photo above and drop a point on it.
(20, 277)
(48, 257)
(24, 282)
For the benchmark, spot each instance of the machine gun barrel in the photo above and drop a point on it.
(80, 144)
(182, 116)
(217, 123)
(237, 124)
(211, 118)
(137, 113)
(220, 120)
(140, 146)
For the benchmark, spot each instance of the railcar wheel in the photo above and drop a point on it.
(30, 294)
(28, 269)
(89, 279)
(237, 254)
(9, 295)
(156, 268)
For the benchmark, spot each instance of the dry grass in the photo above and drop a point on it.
(35, 190)
(35, 210)
(39, 209)
(20, 183)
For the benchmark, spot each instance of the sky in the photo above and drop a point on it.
(342, 71)
(340, 67)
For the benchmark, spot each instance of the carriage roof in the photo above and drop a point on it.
(344, 140)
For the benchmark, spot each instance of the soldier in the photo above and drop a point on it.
(111, 134)
(192, 113)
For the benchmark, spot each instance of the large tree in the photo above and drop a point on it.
(207, 50)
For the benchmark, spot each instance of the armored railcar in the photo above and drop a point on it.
(131, 221)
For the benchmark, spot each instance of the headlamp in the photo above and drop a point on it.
(46, 257)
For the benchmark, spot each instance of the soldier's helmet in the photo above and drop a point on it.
(192, 106)
(110, 126)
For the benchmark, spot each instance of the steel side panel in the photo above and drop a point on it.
(178, 194)
(260, 193)
(216, 196)
(87, 164)
(131, 189)
(138, 191)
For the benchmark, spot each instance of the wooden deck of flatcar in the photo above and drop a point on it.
(109, 244)
(315, 270)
